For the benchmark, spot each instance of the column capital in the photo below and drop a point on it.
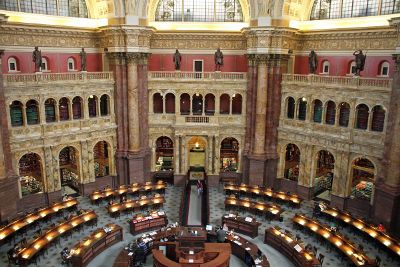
(267, 58)
(138, 58)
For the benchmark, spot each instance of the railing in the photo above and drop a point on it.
(197, 119)
(198, 75)
(54, 77)
(353, 81)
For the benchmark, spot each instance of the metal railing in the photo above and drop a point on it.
(197, 119)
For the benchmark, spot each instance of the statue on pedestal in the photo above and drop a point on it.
(360, 61)
(177, 60)
(83, 59)
(312, 62)
(219, 59)
(37, 59)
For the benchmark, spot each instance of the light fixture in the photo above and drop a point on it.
(197, 94)
(197, 145)
(234, 95)
(304, 99)
(91, 96)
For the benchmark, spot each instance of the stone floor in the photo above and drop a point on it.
(172, 206)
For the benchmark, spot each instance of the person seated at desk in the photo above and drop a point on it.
(225, 227)
(111, 202)
(221, 235)
(65, 255)
(333, 227)
(381, 228)
(65, 197)
(80, 212)
(122, 199)
(13, 254)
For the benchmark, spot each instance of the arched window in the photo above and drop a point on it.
(170, 103)
(164, 154)
(344, 114)
(16, 117)
(209, 104)
(229, 154)
(224, 104)
(30, 174)
(197, 104)
(292, 162)
(203, 11)
(352, 67)
(362, 117)
(334, 9)
(236, 104)
(45, 65)
(324, 172)
(32, 112)
(104, 105)
(317, 116)
(325, 67)
(384, 69)
(70, 8)
(378, 119)
(50, 110)
(185, 104)
(330, 113)
(77, 108)
(101, 159)
(92, 104)
(363, 178)
(158, 103)
(69, 168)
(71, 64)
(290, 108)
(302, 111)
(12, 64)
(63, 109)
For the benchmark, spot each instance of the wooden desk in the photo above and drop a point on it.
(285, 244)
(241, 225)
(213, 255)
(293, 199)
(273, 211)
(141, 223)
(36, 245)
(135, 204)
(123, 259)
(127, 189)
(186, 237)
(358, 257)
(381, 237)
(92, 245)
(247, 251)
(19, 224)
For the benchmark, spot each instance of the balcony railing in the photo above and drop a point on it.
(55, 77)
(353, 81)
(199, 119)
(232, 76)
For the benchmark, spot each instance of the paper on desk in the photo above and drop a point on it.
(130, 253)
(248, 248)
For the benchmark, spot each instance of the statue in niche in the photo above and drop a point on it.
(83, 59)
(360, 61)
(37, 59)
(219, 59)
(312, 62)
(177, 60)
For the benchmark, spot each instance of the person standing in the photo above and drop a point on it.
(221, 235)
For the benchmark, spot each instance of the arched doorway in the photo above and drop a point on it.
(363, 172)
(292, 162)
(164, 154)
(197, 153)
(101, 159)
(69, 170)
(324, 175)
(30, 174)
(229, 154)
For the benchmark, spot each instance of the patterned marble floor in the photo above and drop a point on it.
(172, 206)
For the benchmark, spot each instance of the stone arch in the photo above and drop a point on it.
(164, 153)
(69, 164)
(323, 170)
(102, 158)
(31, 172)
(229, 154)
(292, 154)
(363, 172)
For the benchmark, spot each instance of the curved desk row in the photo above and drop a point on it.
(358, 257)
(264, 192)
(99, 240)
(141, 223)
(269, 210)
(369, 229)
(36, 245)
(287, 245)
(19, 224)
(128, 189)
(157, 200)
(247, 226)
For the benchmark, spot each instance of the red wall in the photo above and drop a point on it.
(57, 62)
(339, 65)
(164, 62)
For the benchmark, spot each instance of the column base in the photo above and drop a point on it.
(257, 166)
(139, 167)
(9, 197)
(98, 184)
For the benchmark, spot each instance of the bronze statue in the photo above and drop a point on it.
(219, 60)
(37, 58)
(83, 59)
(360, 61)
(312, 62)
(177, 59)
